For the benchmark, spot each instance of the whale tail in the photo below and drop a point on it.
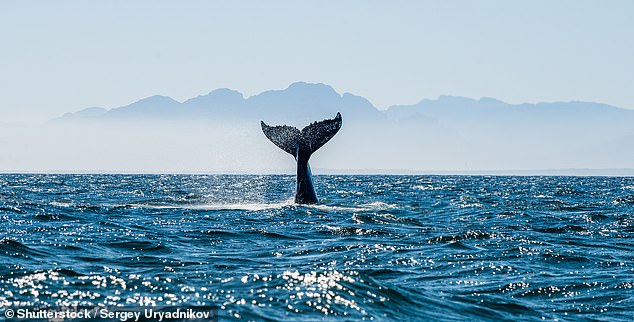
(301, 145)
(306, 141)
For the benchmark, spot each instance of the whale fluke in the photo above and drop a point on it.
(283, 136)
(301, 145)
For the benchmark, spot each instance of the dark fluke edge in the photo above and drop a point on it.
(301, 146)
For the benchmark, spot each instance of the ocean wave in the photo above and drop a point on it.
(376, 248)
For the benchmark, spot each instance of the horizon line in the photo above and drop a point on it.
(565, 172)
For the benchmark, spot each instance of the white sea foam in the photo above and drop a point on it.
(223, 206)
(60, 204)
(352, 208)
(260, 206)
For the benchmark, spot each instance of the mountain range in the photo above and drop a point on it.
(300, 101)
(308, 102)
(220, 132)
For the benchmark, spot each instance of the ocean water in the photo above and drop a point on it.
(375, 248)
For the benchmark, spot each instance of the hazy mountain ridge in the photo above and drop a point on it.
(307, 102)
(300, 102)
(220, 132)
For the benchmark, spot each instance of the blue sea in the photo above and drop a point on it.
(375, 248)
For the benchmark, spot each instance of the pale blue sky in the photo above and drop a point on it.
(60, 56)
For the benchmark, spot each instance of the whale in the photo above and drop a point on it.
(301, 145)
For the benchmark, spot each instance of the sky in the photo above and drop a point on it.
(63, 56)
